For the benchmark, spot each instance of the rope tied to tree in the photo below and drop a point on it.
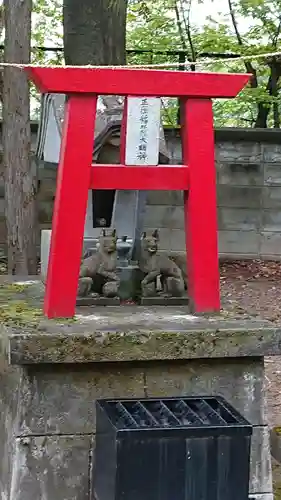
(193, 64)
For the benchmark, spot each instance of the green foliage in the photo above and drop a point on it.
(153, 24)
(47, 22)
(165, 25)
(46, 32)
(149, 26)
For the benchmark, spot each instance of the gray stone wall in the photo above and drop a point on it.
(248, 163)
(49, 442)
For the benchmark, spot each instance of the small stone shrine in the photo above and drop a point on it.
(138, 171)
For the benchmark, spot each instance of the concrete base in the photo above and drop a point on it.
(164, 301)
(97, 301)
(52, 372)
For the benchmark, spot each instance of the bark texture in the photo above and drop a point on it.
(20, 177)
(94, 31)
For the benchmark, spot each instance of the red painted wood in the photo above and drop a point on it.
(76, 174)
(200, 206)
(171, 177)
(73, 181)
(137, 82)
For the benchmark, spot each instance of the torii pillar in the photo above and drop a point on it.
(196, 177)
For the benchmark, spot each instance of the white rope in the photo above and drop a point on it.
(148, 66)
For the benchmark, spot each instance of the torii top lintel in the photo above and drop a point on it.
(136, 82)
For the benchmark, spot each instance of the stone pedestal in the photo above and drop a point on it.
(53, 371)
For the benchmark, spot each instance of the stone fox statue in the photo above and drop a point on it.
(98, 272)
(155, 265)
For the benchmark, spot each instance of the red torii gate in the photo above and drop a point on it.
(76, 174)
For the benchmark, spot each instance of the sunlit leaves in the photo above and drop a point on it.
(152, 26)
(157, 29)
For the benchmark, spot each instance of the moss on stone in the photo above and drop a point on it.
(115, 337)
(277, 492)
(18, 309)
(178, 341)
(13, 291)
(15, 287)
(15, 308)
(276, 475)
(19, 313)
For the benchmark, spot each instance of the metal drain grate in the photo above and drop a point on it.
(171, 412)
(171, 448)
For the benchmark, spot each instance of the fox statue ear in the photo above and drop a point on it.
(155, 234)
(143, 235)
(102, 233)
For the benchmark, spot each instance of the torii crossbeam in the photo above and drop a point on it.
(196, 177)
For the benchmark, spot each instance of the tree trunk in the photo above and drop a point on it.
(262, 116)
(94, 31)
(1, 55)
(275, 78)
(272, 89)
(20, 182)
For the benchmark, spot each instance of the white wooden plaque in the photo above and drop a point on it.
(143, 131)
(52, 139)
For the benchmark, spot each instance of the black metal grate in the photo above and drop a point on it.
(183, 448)
(171, 413)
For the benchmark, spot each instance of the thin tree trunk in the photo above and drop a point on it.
(180, 30)
(275, 78)
(20, 182)
(263, 108)
(186, 20)
(271, 88)
(1, 55)
(248, 65)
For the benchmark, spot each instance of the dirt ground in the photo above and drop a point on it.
(254, 288)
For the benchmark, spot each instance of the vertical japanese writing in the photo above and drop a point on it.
(142, 131)
(142, 147)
